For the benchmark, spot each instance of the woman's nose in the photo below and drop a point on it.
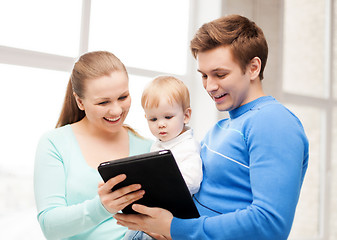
(115, 110)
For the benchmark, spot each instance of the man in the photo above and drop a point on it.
(254, 162)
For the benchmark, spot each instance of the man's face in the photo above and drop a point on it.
(224, 80)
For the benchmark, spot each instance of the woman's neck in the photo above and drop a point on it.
(98, 146)
(87, 128)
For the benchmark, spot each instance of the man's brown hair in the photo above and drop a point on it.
(243, 36)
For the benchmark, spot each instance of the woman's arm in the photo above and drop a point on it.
(58, 219)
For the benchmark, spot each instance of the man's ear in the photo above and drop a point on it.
(187, 115)
(78, 101)
(254, 68)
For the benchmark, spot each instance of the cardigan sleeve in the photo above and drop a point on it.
(56, 218)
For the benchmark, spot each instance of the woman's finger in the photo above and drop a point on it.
(113, 182)
(126, 191)
(130, 198)
(113, 204)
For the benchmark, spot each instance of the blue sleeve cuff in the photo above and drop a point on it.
(185, 229)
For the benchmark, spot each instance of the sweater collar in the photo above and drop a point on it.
(248, 106)
(171, 143)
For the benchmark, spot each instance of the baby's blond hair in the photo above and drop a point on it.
(162, 86)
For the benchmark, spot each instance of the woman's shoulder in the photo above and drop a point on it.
(138, 138)
(57, 133)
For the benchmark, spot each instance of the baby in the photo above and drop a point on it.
(166, 102)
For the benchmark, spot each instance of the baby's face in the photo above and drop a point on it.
(166, 121)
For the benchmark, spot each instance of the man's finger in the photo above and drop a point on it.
(143, 209)
(129, 225)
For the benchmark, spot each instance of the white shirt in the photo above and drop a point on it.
(186, 151)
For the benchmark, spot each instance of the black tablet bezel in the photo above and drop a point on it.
(160, 177)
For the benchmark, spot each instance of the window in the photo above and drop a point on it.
(309, 88)
(304, 51)
(136, 116)
(306, 223)
(43, 26)
(153, 38)
(31, 100)
(333, 183)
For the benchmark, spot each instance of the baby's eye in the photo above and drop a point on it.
(169, 117)
(153, 119)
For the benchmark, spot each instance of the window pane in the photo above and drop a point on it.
(31, 101)
(148, 34)
(303, 59)
(333, 182)
(136, 116)
(306, 223)
(39, 25)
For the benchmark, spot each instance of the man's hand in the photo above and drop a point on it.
(154, 221)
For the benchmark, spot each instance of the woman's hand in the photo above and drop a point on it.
(155, 221)
(119, 199)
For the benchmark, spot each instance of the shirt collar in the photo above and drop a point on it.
(248, 106)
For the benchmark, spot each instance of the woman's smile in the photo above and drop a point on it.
(112, 120)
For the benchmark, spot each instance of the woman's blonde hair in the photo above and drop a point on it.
(169, 86)
(91, 65)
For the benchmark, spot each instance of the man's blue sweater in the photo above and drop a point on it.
(253, 164)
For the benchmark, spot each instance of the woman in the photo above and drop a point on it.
(89, 131)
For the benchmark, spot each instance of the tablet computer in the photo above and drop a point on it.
(159, 176)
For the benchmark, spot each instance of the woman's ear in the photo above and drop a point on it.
(187, 115)
(78, 101)
(255, 68)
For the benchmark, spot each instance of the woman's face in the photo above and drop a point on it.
(106, 101)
